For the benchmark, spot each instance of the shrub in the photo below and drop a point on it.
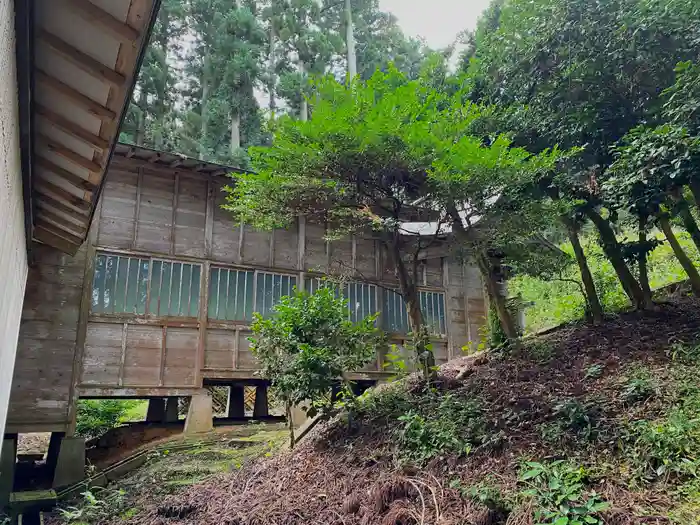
(639, 386)
(667, 447)
(558, 491)
(97, 416)
(445, 425)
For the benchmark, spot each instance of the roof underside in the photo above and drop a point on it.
(86, 54)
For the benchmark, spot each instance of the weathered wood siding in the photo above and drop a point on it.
(158, 214)
(13, 254)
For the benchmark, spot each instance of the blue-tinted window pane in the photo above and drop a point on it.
(120, 284)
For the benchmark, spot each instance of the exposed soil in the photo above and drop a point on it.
(349, 474)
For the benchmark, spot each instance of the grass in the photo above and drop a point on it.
(557, 302)
(168, 472)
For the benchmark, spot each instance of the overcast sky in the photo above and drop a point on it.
(438, 21)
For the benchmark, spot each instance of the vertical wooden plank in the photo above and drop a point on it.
(236, 349)
(209, 220)
(163, 349)
(378, 272)
(354, 254)
(123, 356)
(301, 262)
(203, 319)
(241, 239)
(448, 324)
(173, 229)
(139, 183)
(467, 316)
(271, 263)
(85, 304)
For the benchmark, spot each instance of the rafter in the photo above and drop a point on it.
(75, 96)
(90, 12)
(85, 62)
(43, 198)
(68, 154)
(71, 127)
(71, 199)
(52, 216)
(66, 175)
(50, 239)
(57, 230)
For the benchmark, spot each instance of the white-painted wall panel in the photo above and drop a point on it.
(13, 254)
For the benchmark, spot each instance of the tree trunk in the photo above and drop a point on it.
(687, 217)
(141, 120)
(612, 251)
(272, 81)
(409, 292)
(682, 257)
(204, 131)
(350, 41)
(235, 131)
(695, 190)
(290, 424)
(591, 294)
(304, 111)
(493, 287)
(643, 269)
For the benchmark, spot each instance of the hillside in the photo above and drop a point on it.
(582, 425)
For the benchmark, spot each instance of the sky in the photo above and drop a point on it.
(437, 21)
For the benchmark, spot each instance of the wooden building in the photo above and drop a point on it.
(68, 70)
(158, 302)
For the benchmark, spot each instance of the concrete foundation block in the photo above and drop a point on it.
(8, 460)
(156, 410)
(172, 413)
(260, 408)
(70, 464)
(200, 416)
(236, 402)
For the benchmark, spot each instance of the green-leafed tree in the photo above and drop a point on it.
(152, 116)
(587, 72)
(307, 348)
(365, 159)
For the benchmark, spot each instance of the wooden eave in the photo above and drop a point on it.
(83, 60)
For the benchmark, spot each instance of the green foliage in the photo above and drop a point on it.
(96, 506)
(454, 426)
(557, 302)
(575, 416)
(593, 371)
(309, 343)
(685, 353)
(638, 386)
(486, 493)
(666, 447)
(558, 490)
(97, 416)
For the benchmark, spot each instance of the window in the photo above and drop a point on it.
(432, 304)
(270, 288)
(175, 289)
(361, 297)
(231, 295)
(120, 285)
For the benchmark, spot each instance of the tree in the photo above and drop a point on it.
(374, 156)
(587, 72)
(651, 166)
(309, 345)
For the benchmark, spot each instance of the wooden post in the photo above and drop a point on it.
(236, 402)
(260, 409)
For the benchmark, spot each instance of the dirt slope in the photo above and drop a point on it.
(619, 403)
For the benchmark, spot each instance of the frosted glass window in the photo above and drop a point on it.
(231, 295)
(175, 289)
(120, 284)
(270, 288)
(432, 304)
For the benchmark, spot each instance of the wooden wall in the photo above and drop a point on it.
(173, 214)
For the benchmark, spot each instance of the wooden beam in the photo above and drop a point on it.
(85, 62)
(71, 127)
(71, 199)
(75, 180)
(90, 12)
(42, 235)
(57, 230)
(68, 154)
(43, 199)
(47, 214)
(75, 96)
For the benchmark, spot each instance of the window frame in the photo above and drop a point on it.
(420, 289)
(148, 314)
